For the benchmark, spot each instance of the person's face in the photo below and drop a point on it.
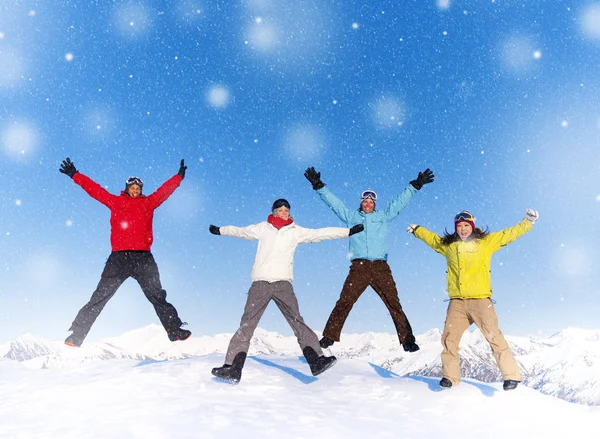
(367, 205)
(283, 213)
(134, 190)
(464, 230)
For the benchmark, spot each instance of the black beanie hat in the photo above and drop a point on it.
(280, 202)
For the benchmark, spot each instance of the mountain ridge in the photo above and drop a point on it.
(564, 365)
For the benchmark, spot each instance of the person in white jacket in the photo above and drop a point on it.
(272, 276)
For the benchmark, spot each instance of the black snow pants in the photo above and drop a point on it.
(121, 265)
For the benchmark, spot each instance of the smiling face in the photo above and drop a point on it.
(283, 213)
(464, 230)
(367, 205)
(134, 190)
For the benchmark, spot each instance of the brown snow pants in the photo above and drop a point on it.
(377, 275)
(462, 314)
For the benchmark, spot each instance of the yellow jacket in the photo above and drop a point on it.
(469, 261)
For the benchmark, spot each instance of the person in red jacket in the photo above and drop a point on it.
(131, 215)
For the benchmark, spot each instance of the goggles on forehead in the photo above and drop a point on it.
(464, 216)
(134, 180)
(369, 194)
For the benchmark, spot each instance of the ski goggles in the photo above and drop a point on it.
(369, 194)
(134, 180)
(464, 216)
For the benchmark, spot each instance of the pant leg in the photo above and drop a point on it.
(384, 285)
(116, 271)
(356, 283)
(288, 305)
(146, 274)
(485, 317)
(457, 322)
(259, 296)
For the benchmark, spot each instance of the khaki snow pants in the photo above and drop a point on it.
(259, 296)
(461, 314)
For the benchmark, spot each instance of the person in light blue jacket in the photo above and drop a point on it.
(368, 255)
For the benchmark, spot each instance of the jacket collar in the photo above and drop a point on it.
(278, 223)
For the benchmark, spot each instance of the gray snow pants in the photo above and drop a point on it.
(121, 265)
(259, 296)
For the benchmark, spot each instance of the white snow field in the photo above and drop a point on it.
(277, 398)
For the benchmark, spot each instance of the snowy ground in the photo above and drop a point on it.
(277, 398)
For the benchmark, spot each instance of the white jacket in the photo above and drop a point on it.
(274, 259)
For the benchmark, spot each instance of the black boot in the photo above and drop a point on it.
(410, 346)
(179, 334)
(510, 384)
(317, 364)
(231, 372)
(326, 342)
(445, 382)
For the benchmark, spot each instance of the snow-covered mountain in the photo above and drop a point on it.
(566, 365)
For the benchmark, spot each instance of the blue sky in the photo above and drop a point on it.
(501, 99)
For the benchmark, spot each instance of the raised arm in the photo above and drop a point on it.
(326, 195)
(166, 190)
(433, 240)
(93, 189)
(497, 240)
(402, 199)
(399, 202)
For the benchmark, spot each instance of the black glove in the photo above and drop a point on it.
(314, 177)
(182, 169)
(214, 230)
(424, 178)
(356, 229)
(67, 167)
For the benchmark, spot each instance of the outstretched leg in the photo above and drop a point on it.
(384, 285)
(287, 302)
(115, 272)
(457, 322)
(259, 295)
(145, 272)
(486, 319)
(356, 283)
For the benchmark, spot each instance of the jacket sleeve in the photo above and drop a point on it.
(497, 240)
(399, 202)
(317, 235)
(251, 233)
(165, 191)
(94, 190)
(335, 204)
(433, 240)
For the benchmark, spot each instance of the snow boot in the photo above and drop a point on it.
(410, 346)
(74, 340)
(179, 334)
(231, 372)
(445, 382)
(326, 342)
(317, 364)
(510, 384)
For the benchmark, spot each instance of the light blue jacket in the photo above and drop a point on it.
(372, 243)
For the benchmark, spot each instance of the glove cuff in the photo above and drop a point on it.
(318, 185)
(416, 184)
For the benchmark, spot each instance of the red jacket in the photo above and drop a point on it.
(130, 218)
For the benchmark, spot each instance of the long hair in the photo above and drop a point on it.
(449, 238)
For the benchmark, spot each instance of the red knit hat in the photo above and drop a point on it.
(464, 217)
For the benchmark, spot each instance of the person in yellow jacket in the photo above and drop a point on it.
(468, 252)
